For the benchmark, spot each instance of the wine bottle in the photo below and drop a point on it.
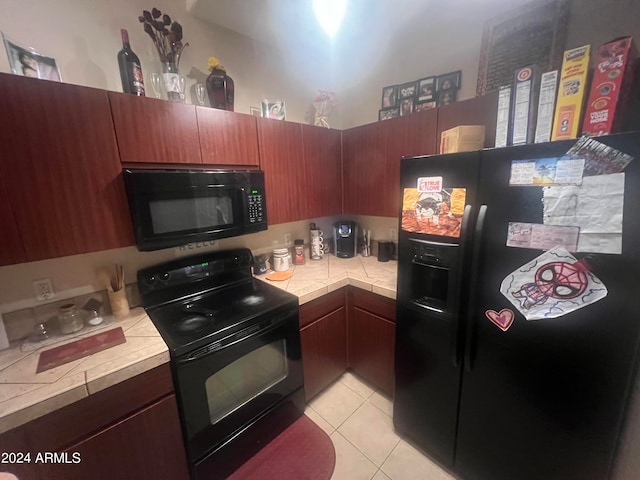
(130, 70)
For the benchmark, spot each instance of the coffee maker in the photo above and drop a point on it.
(345, 235)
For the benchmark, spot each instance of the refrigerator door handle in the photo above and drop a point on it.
(470, 339)
(456, 334)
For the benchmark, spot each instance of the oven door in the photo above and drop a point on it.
(225, 386)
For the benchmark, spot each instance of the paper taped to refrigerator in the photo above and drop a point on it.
(551, 286)
(596, 207)
(435, 213)
(600, 159)
(546, 171)
(542, 237)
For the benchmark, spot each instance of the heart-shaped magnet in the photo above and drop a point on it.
(502, 319)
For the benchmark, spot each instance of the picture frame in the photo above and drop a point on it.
(449, 81)
(422, 106)
(426, 89)
(407, 90)
(29, 63)
(534, 34)
(390, 96)
(446, 97)
(406, 106)
(388, 113)
(255, 111)
(275, 110)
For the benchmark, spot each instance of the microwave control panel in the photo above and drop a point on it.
(256, 207)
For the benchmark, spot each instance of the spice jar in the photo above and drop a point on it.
(68, 319)
(298, 252)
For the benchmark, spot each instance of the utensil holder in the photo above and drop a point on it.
(119, 303)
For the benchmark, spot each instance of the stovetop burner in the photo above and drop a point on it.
(192, 323)
(204, 317)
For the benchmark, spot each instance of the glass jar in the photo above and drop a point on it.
(281, 259)
(68, 319)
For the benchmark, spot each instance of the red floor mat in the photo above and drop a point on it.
(302, 452)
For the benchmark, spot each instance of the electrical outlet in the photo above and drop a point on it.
(44, 289)
(393, 235)
(287, 239)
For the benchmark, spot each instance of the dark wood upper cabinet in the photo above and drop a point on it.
(12, 250)
(323, 170)
(410, 135)
(476, 111)
(281, 158)
(60, 168)
(364, 169)
(227, 138)
(150, 130)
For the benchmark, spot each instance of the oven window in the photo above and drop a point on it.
(245, 379)
(185, 214)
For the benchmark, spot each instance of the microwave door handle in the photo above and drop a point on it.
(456, 334)
(470, 339)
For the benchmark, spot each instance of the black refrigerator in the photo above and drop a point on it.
(513, 398)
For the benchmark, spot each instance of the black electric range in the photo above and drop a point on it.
(235, 354)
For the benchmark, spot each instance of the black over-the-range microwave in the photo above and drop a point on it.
(170, 208)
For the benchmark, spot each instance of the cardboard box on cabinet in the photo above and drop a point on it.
(465, 138)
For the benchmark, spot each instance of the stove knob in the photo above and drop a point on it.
(150, 280)
(165, 276)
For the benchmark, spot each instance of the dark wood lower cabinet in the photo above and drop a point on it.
(348, 328)
(323, 337)
(128, 431)
(371, 337)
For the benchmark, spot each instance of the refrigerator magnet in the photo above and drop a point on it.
(502, 319)
(552, 285)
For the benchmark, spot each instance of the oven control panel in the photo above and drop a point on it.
(255, 202)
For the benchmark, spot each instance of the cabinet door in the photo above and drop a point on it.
(364, 164)
(12, 250)
(405, 136)
(150, 130)
(61, 169)
(227, 138)
(281, 158)
(324, 356)
(476, 111)
(323, 170)
(371, 348)
(146, 445)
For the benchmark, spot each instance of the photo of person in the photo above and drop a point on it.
(389, 96)
(388, 113)
(421, 106)
(406, 107)
(446, 97)
(449, 81)
(274, 110)
(426, 89)
(29, 63)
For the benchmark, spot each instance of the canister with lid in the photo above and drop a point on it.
(281, 259)
(68, 319)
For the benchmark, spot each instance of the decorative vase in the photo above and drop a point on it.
(171, 79)
(220, 89)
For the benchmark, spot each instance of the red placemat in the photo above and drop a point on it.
(80, 348)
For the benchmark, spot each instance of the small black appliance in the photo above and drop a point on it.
(345, 236)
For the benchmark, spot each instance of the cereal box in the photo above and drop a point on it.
(571, 93)
(523, 111)
(610, 87)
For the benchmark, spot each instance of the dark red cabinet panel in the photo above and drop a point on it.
(151, 130)
(61, 169)
(323, 170)
(12, 250)
(282, 159)
(227, 138)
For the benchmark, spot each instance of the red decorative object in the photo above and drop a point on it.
(220, 89)
(502, 319)
(302, 452)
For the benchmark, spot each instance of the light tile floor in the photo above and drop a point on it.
(358, 420)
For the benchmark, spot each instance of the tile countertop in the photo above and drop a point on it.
(318, 277)
(26, 395)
